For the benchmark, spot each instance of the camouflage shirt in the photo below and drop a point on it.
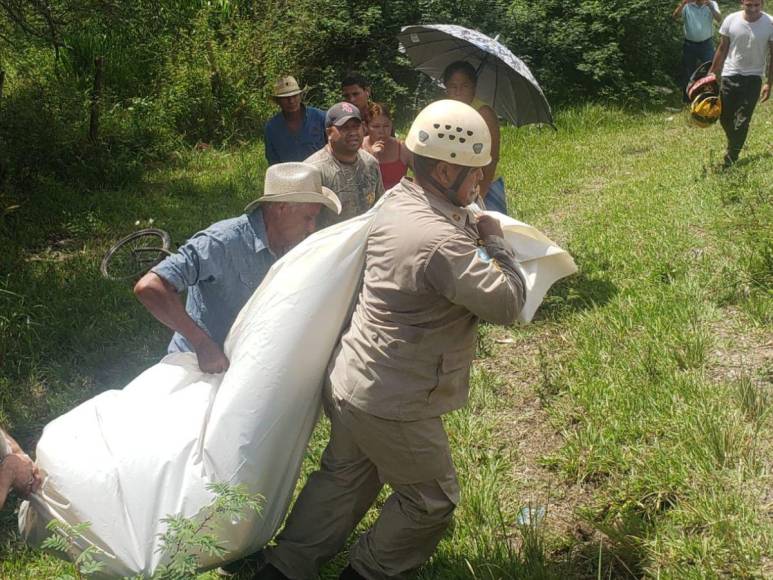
(358, 185)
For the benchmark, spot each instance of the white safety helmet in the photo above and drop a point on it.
(451, 131)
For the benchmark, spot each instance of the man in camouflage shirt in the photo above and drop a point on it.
(351, 172)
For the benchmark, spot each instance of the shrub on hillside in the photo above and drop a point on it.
(44, 125)
(188, 72)
(612, 50)
(213, 86)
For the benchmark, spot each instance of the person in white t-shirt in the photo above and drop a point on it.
(698, 47)
(746, 42)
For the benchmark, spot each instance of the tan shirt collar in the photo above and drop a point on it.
(460, 216)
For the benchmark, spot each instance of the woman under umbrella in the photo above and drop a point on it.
(461, 84)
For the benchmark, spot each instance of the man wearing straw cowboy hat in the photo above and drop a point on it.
(296, 131)
(222, 265)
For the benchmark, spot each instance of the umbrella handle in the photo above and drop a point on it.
(480, 66)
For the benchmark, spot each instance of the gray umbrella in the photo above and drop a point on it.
(504, 81)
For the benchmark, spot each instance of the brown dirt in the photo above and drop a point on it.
(741, 350)
(744, 351)
(524, 423)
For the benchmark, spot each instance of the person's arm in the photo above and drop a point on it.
(18, 472)
(489, 172)
(720, 56)
(371, 148)
(483, 280)
(7, 475)
(163, 302)
(679, 8)
(378, 185)
(272, 156)
(765, 94)
(714, 7)
(13, 444)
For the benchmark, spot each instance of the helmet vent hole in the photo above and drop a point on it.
(436, 125)
(441, 135)
(452, 137)
(423, 136)
(448, 127)
(458, 129)
(462, 140)
(453, 154)
(469, 133)
(478, 147)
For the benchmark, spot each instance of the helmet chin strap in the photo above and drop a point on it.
(452, 193)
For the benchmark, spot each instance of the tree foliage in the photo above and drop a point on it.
(181, 71)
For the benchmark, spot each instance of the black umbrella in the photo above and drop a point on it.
(504, 81)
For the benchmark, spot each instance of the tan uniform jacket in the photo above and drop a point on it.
(407, 353)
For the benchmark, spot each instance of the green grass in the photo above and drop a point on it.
(660, 384)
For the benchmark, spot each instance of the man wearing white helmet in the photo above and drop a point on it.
(221, 266)
(431, 271)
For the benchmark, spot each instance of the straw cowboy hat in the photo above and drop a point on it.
(286, 87)
(296, 182)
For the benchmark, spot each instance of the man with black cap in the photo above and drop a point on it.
(350, 171)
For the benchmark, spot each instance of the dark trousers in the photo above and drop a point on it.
(739, 96)
(694, 54)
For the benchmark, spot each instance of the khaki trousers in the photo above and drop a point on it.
(363, 453)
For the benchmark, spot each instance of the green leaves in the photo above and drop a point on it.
(184, 538)
(64, 539)
(181, 543)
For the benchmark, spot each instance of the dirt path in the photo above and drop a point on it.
(740, 352)
(742, 357)
(525, 425)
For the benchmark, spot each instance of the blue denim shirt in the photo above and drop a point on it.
(283, 146)
(221, 267)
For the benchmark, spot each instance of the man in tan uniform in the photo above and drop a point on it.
(431, 271)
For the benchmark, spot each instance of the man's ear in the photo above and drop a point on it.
(443, 173)
(330, 131)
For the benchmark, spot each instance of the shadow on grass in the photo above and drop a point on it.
(65, 332)
(747, 160)
(714, 168)
(577, 561)
(579, 292)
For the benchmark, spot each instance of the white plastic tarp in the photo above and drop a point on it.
(126, 459)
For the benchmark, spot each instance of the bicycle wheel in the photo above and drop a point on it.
(134, 255)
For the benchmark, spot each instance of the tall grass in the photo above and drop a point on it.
(658, 382)
(670, 440)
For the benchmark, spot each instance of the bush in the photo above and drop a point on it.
(612, 50)
(189, 72)
(44, 124)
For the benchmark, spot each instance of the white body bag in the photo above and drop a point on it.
(126, 459)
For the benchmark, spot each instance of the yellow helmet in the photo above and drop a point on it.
(451, 131)
(705, 110)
